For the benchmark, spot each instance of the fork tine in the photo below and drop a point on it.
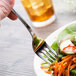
(39, 54)
(47, 56)
(45, 49)
(51, 49)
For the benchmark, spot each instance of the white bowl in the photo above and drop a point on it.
(50, 39)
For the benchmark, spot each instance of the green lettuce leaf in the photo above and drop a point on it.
(68, 32)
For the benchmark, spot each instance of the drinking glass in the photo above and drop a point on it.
(41, 12)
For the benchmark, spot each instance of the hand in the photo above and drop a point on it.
(5, 9)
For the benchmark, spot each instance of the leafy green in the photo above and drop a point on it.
(73, 71)
(60, 55)
(73, 39)
(68, 32)
(50, 69)
(36, 41)
(44, 63)
(55, 46)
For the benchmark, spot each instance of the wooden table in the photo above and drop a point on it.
(16, 53)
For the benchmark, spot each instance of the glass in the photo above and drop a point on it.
(39, 10)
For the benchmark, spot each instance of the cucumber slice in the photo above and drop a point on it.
(64, 44)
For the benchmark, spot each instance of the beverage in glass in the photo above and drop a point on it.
(39, 10)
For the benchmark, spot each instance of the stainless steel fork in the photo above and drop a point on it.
(40, 47)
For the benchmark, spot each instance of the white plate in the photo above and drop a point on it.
(50, 39)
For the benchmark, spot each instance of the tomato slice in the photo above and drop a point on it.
(69, 49)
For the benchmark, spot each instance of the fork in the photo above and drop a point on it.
(40, 47)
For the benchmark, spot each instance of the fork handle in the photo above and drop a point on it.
(25, 23)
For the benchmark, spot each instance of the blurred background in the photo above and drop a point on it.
(65, 11)
(16, 53)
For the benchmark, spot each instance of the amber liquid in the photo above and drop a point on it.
(38, 10)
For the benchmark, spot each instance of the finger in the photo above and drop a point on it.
(10, 2)
(5, 8)
(12, 16)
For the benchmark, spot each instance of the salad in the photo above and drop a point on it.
(65, 46)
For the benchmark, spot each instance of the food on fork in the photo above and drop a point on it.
(65, 46)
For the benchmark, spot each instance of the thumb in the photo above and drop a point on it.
(5, 8)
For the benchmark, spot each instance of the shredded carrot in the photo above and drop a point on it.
(74, 55)
(69, 68)
(56, 69)
(65, 64)
(48, 72)
(66, 73)
(42, 67)
(60, 70)
(73, 66)
(65, 57)
(52, 67)
(74, 58)
(63, 67)
(74, 61)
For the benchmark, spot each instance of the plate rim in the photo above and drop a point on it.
(52, 34)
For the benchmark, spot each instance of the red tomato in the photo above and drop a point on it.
(70, 48)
